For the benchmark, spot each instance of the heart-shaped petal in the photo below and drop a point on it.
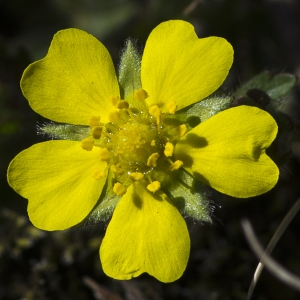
(146, 234)
(178, 66)
(76, 80)
(60, 181)
(228, 152)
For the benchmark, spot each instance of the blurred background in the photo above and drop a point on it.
(65, 265)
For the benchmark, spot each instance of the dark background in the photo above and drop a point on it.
(65, 265)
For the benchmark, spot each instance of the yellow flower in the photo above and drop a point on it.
(131, 146)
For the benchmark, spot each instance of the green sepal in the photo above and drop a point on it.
(106, 204)
(201, 111)
(191, 197)
(130, 74)
(64, 131)
(276, 86)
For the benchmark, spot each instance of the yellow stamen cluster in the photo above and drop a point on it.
(134, 142)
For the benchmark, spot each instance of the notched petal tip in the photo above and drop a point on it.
(233, 160)
(76, 79)
(58, 179)
(146, 234)
(178, 66)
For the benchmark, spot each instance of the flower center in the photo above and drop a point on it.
(134, 142)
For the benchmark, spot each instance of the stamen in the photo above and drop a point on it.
(114, 116)
(94, 121)
(99, 174)
(140, 95)
(119, 189)
(131, 113)
(155, 112)
(115, 100)
(104, 154)
(152, 159)
(153, 186)
(176, 165)
(169, 147)
(136, 175)
(117, 169)
(87, 144)
(153, 143)
(181, 130)
(122, 104)
(172, 107)
(96, 132)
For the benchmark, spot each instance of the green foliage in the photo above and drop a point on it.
(276, 86)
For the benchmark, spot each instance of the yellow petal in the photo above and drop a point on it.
(227, 152)
(146, 234)
(178, 66)
(75, 81)
(57, 178)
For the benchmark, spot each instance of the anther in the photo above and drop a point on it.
(152, 159)
(99, 174)
(119, 189)
(114, 116)
(172, 107)
(140, 95)
(169, 147)
(153, 186)
(181, 130)
(115, 100)
(176, 165)
(96, 132)
(153, 143)
(136, 176)
(94, 121)
(87, 144)
(104, 154)
(155, 112)
(122, 104)
(117, 169)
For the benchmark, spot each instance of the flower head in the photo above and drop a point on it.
(132, 145)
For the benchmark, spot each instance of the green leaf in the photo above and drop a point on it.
(275, 86)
